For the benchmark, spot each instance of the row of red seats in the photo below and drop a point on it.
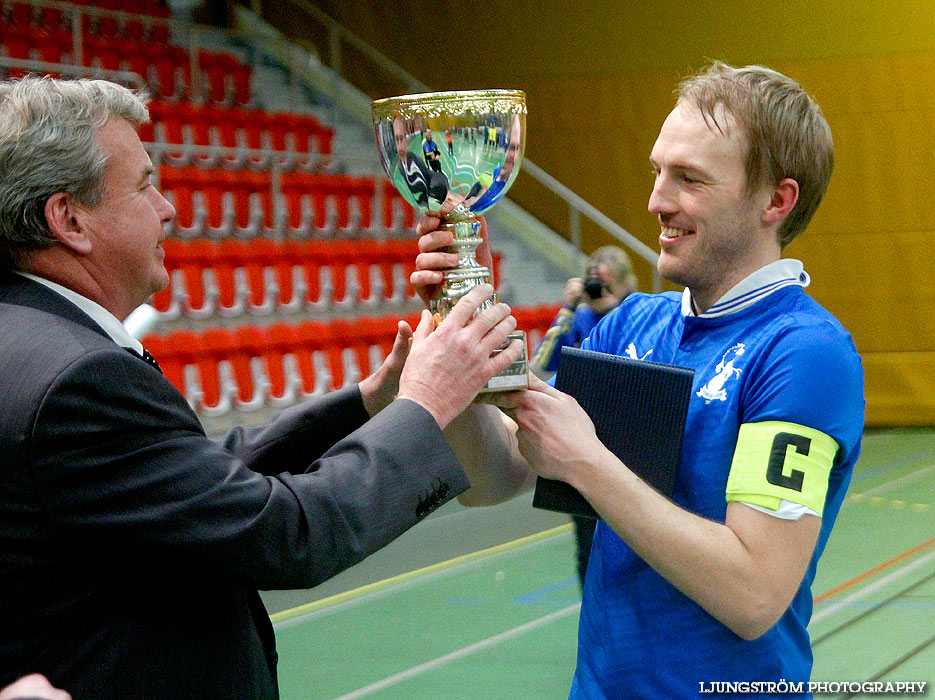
(166, 68)
(232, 278)
(249, 367)
(220, 203)
(235, 127)
(26, 15)
(219, 370)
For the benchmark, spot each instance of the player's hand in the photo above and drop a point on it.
(448, 365)
(434, 257)
(555, 434)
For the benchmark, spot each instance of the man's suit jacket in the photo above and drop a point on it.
(132, 546)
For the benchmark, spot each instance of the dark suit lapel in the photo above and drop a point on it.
(22, 291)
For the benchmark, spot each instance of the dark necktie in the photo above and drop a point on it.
(147, 357)
(151, 360)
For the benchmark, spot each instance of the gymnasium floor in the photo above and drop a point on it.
(499, 620)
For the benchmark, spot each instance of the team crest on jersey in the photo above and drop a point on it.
(727, 369)
(634, 355)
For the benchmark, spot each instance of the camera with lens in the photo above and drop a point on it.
(594, 286)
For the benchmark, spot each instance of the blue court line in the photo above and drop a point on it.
(888, 465)
(537, 596)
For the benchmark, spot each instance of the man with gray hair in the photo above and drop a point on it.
(709, 588)
(131, 546)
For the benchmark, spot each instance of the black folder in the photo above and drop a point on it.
(638, 409)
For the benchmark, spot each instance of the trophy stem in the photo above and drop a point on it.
(460, 280)
(469, 273)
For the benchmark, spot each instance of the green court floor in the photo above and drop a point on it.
(498, 619)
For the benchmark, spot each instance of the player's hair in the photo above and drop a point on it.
(48, 145)
(618, 262)
(787, 134)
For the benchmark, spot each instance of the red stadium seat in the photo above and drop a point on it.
(241, 76)
(248, 366)
(279, 341)
(212, 346)
(316, 343)
(260, 256)
(102, 51)
(53, 45)
(173, 248)
(398, 215)
(194, 259)
(107, 26)
(18, 41)
(223, 122)
(312, 257)
(51, 19)
(170, 362)
(182, 184)
(135, 30)
(230, 257)
(401, 260)
(217, 68)
(171, 70)
(377, 334)
(22, 14)
(158, 31)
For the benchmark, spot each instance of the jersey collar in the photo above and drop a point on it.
(756, 286)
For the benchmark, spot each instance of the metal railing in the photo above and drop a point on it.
(297, 62)
(123, 77)
(578, 207)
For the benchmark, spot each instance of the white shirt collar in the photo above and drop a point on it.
(101, 316)
(753, 288)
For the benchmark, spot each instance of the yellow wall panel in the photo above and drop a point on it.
(867, 83)
(900, 388)
(882, 169)
(883, 294)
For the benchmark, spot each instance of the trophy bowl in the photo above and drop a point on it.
(454, 155)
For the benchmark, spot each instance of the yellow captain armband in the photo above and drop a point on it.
(776, 461)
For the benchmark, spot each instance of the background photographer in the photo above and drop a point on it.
(608, 280)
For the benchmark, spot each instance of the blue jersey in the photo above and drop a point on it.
(429, 147)
(492, 193)
(768, 354)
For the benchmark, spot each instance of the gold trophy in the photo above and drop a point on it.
(454, 155)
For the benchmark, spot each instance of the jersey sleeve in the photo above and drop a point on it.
(802, 417)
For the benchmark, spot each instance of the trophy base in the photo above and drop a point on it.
(514, 377)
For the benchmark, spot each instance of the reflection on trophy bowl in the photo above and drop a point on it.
(454, 155)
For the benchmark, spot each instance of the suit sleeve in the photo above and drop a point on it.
(300, 434)
(123, 471)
